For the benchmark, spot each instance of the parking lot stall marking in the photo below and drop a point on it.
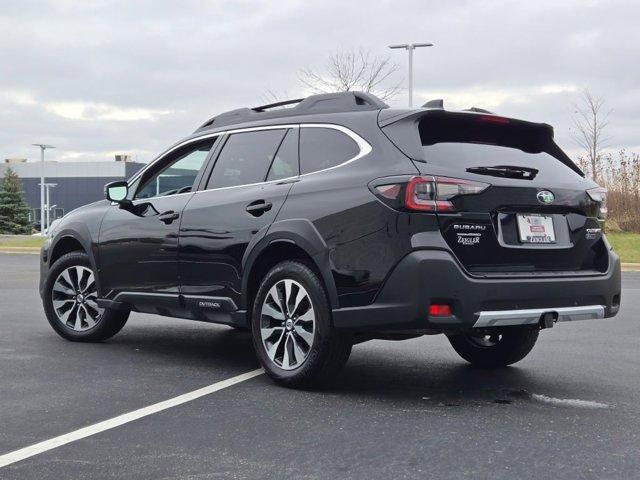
(41, 447)
(568, 402)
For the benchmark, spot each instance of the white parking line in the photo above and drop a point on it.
(17, 455)
(569, 402)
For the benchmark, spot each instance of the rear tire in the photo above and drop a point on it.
(291, 328)
(496, 350)
(69, 302)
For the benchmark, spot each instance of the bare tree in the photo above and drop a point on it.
(590, 122)
(273, 96)
(348, 70)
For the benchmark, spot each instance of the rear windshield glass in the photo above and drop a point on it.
(472, 142)
(465, 155)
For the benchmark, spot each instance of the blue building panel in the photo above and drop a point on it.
(76, 183)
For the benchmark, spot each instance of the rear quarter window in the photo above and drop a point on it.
(322, 148)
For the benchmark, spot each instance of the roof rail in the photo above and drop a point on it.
(323, 103)
(284, 103)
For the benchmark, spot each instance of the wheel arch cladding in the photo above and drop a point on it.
(74, 240)
(63, 245)
(288, 240)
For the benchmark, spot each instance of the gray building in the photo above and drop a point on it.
(77, 183)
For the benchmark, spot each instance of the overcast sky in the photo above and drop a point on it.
(100, 77)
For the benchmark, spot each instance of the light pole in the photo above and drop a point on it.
(410, 47)
(43, 147)
(48, 207)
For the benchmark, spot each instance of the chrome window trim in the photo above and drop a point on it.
(364, 147)
(282, 180)
(137, 201)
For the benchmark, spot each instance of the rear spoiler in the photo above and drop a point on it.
(402, 128)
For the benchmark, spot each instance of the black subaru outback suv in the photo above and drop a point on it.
(340, 220)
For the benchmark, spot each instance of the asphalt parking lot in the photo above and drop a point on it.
(408, 409)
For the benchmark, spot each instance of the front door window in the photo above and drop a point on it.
(177, 173)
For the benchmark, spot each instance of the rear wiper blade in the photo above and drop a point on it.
(505, 171)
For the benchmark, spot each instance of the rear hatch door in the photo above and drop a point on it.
(535, 216)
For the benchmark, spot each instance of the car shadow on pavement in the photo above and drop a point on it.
(404, 379)
(443, 383)
(203, 346)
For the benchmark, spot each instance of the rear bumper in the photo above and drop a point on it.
(433, 276)
(532, 316)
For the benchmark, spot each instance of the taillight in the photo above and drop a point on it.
(493, 119)
(434, 194)
(599, 195)
(421, 194)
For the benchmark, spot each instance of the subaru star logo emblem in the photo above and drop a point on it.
(546, 197)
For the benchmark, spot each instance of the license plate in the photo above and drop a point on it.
(536, 229)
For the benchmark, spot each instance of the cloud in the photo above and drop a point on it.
(98, 77)
(100, 156)
(19, 98)
(488, 97)
(102, 111)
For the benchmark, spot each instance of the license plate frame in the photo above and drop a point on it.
(535, 229)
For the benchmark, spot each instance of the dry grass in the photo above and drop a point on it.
(627, 245)
(20, 241)
(620, 173)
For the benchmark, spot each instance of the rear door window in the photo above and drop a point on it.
(245, 158)
(285, 163)
(322, 148)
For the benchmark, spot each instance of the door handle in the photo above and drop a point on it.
(168, 217)
(258, 207)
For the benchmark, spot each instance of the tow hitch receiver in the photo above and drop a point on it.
(548, 319)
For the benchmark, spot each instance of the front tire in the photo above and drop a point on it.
(69, 300)
(291, 328)
(497, 349)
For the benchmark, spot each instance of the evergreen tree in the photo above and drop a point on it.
(14, 211)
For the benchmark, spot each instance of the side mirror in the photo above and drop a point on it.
(116, 191)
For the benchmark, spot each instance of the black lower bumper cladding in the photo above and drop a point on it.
(426, 277)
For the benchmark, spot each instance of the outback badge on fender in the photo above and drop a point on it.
(546, 197)
(204, 304)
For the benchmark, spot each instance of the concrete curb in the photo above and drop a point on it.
(30, 250)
